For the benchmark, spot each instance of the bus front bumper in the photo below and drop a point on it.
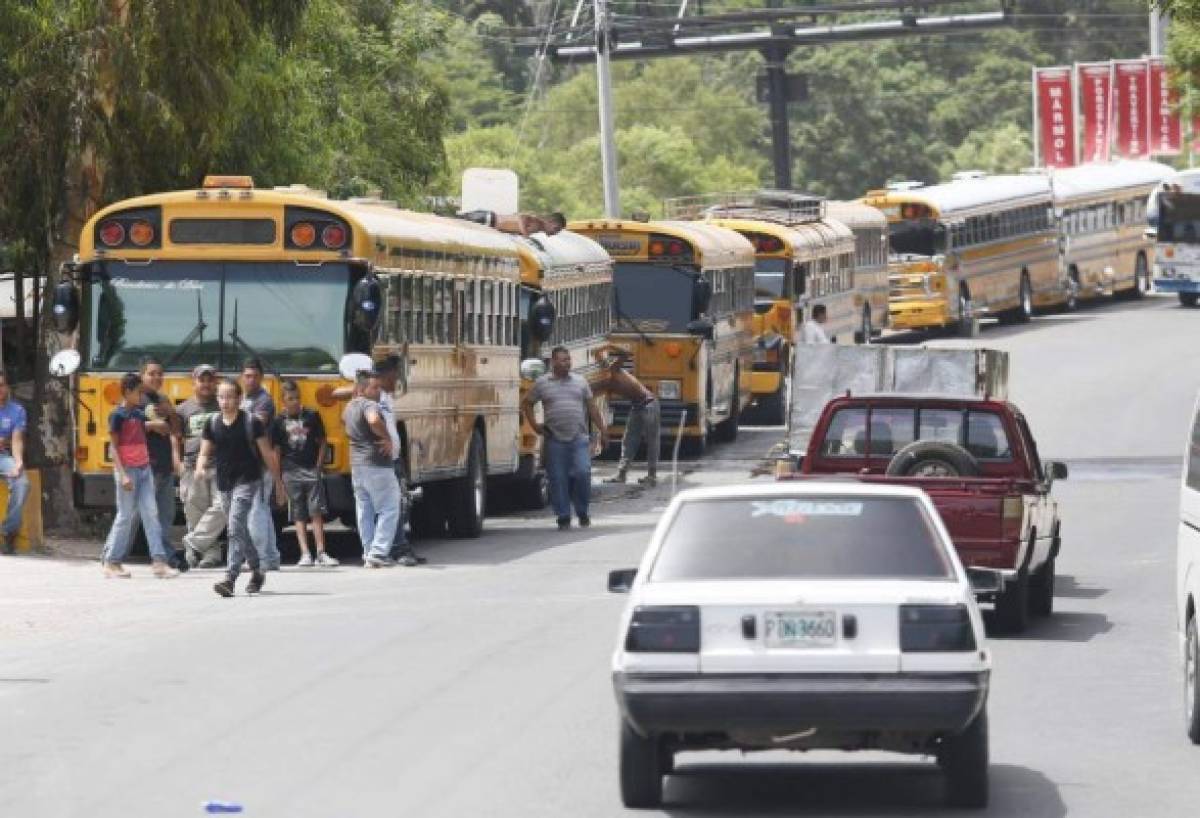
(97, 492)
(1176, 285)
(919, 314)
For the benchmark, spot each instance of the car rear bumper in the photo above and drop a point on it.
(693, 703)
(1176, 285)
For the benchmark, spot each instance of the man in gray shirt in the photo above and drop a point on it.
(376, 490)
(201, 503)
(567, 404)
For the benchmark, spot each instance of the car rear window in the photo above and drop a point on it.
(801, 538)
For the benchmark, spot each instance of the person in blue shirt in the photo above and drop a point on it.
(12, 463)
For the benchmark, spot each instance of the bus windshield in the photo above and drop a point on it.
(770, 278)
(1179, 218)
(918, 237)
(189, 312)
(651, 298)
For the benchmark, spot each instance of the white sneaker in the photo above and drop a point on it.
(305, 562)
(327, 561)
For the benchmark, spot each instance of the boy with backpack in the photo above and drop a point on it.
(298, 435)
(135, 485)
(236, 442)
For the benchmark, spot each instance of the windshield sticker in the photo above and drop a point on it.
(797, 511)
(141, 284)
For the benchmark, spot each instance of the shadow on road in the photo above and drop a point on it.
(870, 789)
(1066, 585)
(1068, 626)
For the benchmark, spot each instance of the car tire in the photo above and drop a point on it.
(1189, 299)
(1191, 682)
(470, 493)
(929, 458)
(964, 760)
(1012, 606)
(1041, 590)
(641, 769)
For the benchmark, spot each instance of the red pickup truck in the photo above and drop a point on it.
(977, 460)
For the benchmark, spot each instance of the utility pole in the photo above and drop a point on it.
(776, 56)
(608, 147)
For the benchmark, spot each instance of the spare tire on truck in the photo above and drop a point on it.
(930, 458)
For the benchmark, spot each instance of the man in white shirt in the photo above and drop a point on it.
(389, 377)
(813, 331)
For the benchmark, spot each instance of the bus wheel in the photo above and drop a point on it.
(470, 493)
(1025, 304)
(966, 326)
(1141, 277)
(1189, 299)
(535, 492)
(1072, 290)
(727, 430)
(772, 408)
(868, 330)
(427, 516)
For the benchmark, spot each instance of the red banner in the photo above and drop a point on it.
(1054, 97)
(1166, 130)
(1130, 96)
(1095, 103)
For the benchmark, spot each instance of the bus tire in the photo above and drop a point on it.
(866, 329)
(1072, 289)
(693, 446)
(1189, 299)
(727, 430)
(772, 408)
(469, 493)
(427, 516)
(534, 493)
(966, 326)
(931, 458)
(1141, 277)
(1025, 300)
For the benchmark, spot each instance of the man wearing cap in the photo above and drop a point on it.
(201, 503)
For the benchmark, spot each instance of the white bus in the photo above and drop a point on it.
(1173, 213)
(1101, 210)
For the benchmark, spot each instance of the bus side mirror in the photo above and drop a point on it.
(541, 319)
(1058, 470)
(702, 328)
(65, 307)
(366, 304)
(701, 296)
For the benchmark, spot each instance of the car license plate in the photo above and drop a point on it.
(800, 629)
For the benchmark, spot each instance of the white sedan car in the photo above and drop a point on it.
(801, 616)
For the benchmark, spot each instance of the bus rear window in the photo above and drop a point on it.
(222, 231)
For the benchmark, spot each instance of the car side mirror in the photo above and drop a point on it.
(701, 327)
(65, 307)
(621, 580)
(1058, 470)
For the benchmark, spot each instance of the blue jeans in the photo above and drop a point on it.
(569, 470)
(164, 498)
(137, 503)
(18, 490)
(237, 505)
(262, 526)
(377, 508)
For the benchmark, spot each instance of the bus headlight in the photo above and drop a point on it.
(532, 369)
(669, 390)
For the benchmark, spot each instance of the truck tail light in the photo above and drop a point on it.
(664, 629)
(1011, 517)
(935, 629)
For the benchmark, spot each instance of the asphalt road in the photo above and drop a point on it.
(478, 685)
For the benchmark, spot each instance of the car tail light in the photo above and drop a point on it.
(1011, 517)
(664, 629)
(935, 629)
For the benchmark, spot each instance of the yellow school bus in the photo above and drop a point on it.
(1101, 209)
(572, 275)
(870, 229)
(683, 306)
(298, 280)
(976, 245)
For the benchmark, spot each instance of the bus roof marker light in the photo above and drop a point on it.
(213, 182)
(112, 233)
(303, 234)
(141, 233)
